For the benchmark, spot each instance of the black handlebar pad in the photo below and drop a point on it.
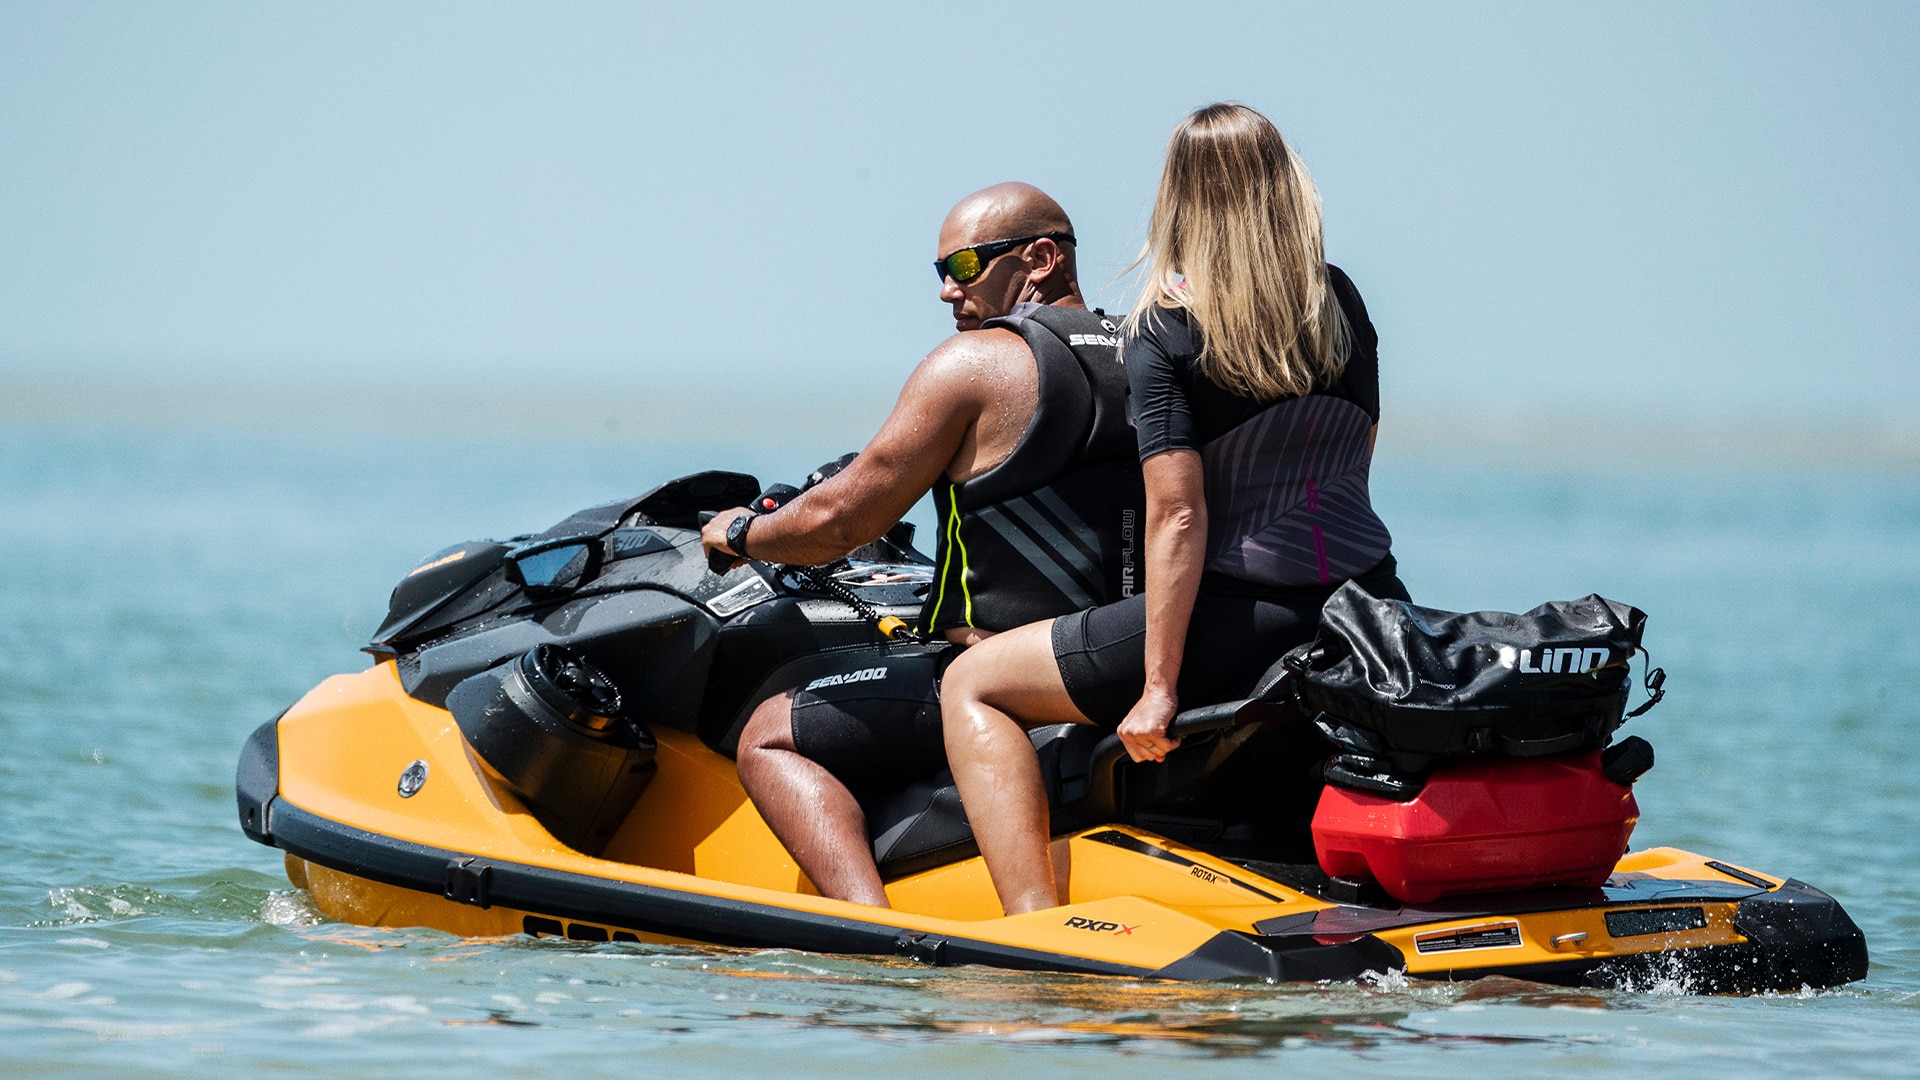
(1109, 753)
(1190, 722)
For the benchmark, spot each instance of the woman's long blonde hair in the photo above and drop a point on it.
(1238, 217)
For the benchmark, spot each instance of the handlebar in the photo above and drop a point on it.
(718, 562)
(766, 502)
(1191, 722)
(1109, 752)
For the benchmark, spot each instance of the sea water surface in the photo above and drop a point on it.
(161, 594)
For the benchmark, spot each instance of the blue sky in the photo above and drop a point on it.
(1696, 208)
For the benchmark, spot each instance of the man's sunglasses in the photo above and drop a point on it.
(967, 263)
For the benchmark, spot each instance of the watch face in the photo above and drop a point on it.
(737, 531)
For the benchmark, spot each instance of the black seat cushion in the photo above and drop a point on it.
(921, 824)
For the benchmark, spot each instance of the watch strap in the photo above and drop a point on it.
(737, 535)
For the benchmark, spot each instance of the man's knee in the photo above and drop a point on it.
(770, 727)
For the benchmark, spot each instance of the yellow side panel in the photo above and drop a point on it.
(1097, 871)
(1102, 870)
(696, 819)
(1672, 863)
(369, 903)
(1538, 932)
(344, 746)
(960, 890)
(1124, 930)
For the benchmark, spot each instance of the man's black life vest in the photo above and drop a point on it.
(1056, 527)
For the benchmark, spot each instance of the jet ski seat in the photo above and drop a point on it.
(1090, 781)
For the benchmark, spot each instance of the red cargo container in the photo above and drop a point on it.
(1485, 826)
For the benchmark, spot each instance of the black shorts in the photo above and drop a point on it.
(872, 717)
(1237, 632)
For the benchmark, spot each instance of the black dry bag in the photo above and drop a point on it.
(1416, 686)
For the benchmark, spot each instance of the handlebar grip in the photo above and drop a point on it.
(718, 562)
(1104, 785)
(1205, 718)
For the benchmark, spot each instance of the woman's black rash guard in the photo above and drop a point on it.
(1177, 408)
(1286, 480)
(1289, 517)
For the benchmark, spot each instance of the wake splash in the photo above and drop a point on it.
(218, 898)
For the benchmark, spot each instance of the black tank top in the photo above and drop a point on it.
(1054, 528)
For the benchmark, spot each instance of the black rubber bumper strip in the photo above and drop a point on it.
(256, 781)
(644, 908)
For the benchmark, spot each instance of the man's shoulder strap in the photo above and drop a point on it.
(1080, 326)
(1066, 323)
(1077, 360)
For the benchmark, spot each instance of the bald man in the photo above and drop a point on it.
(1017, 424)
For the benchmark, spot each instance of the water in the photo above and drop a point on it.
(162, 594)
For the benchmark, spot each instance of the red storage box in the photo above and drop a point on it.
(1485, 826)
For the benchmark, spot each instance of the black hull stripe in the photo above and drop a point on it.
(1116, 838)
(1829, 953)
(632, 906)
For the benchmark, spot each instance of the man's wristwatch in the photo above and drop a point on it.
(737, 534)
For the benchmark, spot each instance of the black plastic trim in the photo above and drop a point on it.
(1804, 935)
(1639, 922)
(1621, 891)
(1116, 838)
(256, 781)
(632, 906)
(1232, 954)
(1740, 875)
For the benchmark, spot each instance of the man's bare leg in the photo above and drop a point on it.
(812, 813)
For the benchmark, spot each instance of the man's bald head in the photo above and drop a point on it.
(1042, 271)
(1004, 210)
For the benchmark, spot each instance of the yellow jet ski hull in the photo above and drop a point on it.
(388, 819)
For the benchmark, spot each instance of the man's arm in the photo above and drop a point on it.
(937, 409)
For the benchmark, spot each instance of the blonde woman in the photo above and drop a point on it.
(1254, 381)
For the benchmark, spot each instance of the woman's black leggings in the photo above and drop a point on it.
(1238, 631)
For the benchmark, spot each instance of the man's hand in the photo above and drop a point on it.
(713, 535)
(1144, 731)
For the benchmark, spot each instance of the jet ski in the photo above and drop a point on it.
(543, 746)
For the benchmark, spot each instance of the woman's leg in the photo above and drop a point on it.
(990, 695)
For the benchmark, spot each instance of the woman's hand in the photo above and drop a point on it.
(1144, 731)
